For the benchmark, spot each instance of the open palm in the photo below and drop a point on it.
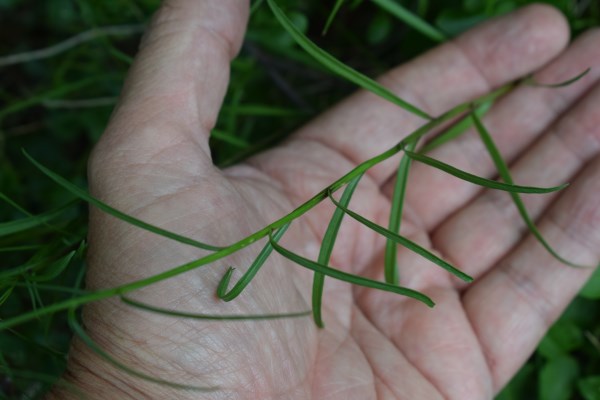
(153, 162)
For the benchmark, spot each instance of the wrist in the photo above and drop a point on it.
(91, 377)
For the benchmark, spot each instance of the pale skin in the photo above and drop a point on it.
(154, 162)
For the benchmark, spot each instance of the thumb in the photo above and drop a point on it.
(180, 75)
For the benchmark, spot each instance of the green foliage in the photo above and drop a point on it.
(590, 387)
(57, 108)
(557, 378)
(566, 364)
(592, 289)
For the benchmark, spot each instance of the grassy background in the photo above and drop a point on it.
(56, 108)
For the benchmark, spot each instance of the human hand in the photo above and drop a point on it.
(153, 162)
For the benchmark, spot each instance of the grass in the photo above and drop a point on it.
(42, 228)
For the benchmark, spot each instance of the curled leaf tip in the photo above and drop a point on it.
(224, 284)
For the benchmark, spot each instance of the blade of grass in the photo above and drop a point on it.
(250, 273)
(54, 269)
(14, 204)
(327, 248)
(27, 213)
(227, 138)
(255, 6)
(67, 44)
(504, 172)
(21, 269)
(262, 110)
(6, 294)
(82, 194)
(391, 272)
(350, 278)
(239, 317)
(339, 68)
(409, 244)
(23, 224)
(412, 20)
(570, 81)
(52, 93)
(457, 129)
(336, 8)
(78, 330)
(479, 180)
(54, 288)
(24, 247)
(33, 295)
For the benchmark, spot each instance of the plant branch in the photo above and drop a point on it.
(247, 241)
(61, 47)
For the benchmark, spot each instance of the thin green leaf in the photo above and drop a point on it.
(409, 244)
(119, 55)
(412, 20)
(24, 247)
(227, 138)
(6, 295)
(479, 180)
(27, 213)
(238, 317)
(34, 295)
(14, 204)
(391, 247)
(339, 68)
(82, 194)
(250, 273)
(23, 224)
(79, 331)
(350, 278)
(327, 248)
(457, 129)
(332, 14)
(54, 269)
(54, 288)
(261, 110)
(256, 6)
(568, 82)
(21, 269)
(504, 172)
(52, 93)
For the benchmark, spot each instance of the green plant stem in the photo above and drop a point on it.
(247, 241)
